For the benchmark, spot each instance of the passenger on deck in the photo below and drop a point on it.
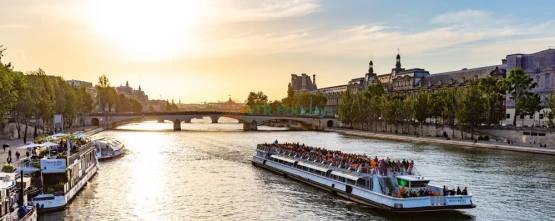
(421, 192)
(458, 191)
(465, 191)
(445, 191)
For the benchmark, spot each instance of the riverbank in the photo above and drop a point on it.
(519, 147)
(15, 143)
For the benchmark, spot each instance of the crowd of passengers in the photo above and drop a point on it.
(425, 192)
(349, 161)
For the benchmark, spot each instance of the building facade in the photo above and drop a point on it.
(540, 66)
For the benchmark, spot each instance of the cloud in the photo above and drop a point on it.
(11, 26)
(264, 11)
(463, 17)
(455, 29)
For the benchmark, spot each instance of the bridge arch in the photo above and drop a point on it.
(330, 123)
(95, 122)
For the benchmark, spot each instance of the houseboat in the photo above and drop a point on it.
(14, 205)
(396, 189)
(63, 175)
(108, 148)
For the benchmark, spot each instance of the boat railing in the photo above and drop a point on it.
(29, 213)
(382, 186)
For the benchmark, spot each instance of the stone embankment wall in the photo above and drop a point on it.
(522, 135)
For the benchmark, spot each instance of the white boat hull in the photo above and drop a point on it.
(368, 197)
(60, 202)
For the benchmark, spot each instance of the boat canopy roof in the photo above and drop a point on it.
(413, 178)
(283, 158)
(314, 167)
(345, 175)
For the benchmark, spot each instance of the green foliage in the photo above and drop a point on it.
(345, 112)
(43, 152)
(288, 101)
(420, 107)
(49, 190)
(8, 168)
(258, 98)
(307, 100)
(529, 104)
(493, 90)
(518, 85)
(473, 107)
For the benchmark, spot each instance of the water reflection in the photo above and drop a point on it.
(207, 175)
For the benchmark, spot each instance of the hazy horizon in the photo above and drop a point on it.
(197, 51)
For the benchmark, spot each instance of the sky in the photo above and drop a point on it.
(197, 51)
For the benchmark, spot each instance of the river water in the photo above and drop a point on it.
(204, 173)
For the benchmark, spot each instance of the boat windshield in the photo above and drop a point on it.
(418, 184)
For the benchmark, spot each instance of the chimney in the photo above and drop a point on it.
(314, 79)
(503, 61)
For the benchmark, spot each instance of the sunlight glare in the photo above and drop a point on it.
(145, 30)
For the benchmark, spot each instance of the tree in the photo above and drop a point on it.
(306, 100)
(258, 98)
(374, 94)
(420, 108)
(451, 103)
(288, 101)
(345, 107)
(473, 107)
(21, 110)
(9, 93)
(492, 88)
(550, 102)
(518, 85)
(530, 104)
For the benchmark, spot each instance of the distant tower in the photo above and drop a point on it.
(371, 67)
(314, 79)
(139, 87)
(398, 64)
(127, 83)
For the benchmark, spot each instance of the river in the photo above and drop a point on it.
(204, 173)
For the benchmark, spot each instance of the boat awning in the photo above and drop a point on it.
(283, 158)
(314, 167)
(344, 175)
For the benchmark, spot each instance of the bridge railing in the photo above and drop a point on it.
(207, 113)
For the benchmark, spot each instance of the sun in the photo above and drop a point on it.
(145, 30)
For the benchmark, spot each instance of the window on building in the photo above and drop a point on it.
(547, 81)
(522, 116)
(531, 116)
(541, 116)
(508, 116)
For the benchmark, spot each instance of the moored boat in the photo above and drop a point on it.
(14, 204)
(109, 148)
(361, 179)
(64, 170)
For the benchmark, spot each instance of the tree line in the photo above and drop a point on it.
(33, 98)
(110, 99)
(292, 100)
(480, 101)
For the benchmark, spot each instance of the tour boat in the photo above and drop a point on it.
(108, 148)
(63, 176)
(386, 191)
(14, 205)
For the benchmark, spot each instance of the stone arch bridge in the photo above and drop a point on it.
(250, 122)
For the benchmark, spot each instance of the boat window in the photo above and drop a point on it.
(349, 181)
(361, 182)
(403, 182)
(418, 183)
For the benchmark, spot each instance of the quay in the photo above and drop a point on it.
(520, 147)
